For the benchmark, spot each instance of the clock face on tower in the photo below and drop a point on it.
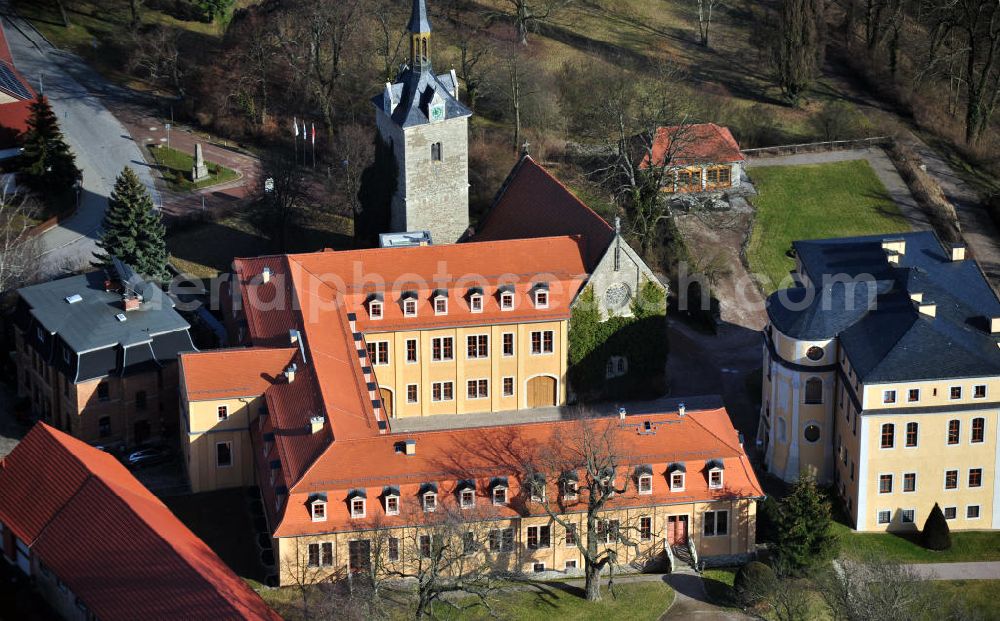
(437, 112)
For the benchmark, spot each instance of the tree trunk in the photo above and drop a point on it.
(593, 586)
(62, 13)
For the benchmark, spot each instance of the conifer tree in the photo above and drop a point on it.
(936, 535)
(47, 164)
(803, 537)
(132, 230)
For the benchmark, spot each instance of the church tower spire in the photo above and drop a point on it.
(420, 37)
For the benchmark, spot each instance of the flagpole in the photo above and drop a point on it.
(314, 144)
(295, 124)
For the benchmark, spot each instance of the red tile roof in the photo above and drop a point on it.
(232, 373)
(480, 454)
(14, 115)
(115, 545)
(533, 203)
(706, 143)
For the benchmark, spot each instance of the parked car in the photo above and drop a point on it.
(148, 457)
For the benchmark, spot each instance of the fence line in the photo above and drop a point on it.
(811, 147)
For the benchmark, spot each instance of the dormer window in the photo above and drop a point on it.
(507, 298)
(715, 470)
(644, 479)
(358, 508)
(676, 474)
(440, 302)
(541, 295)
(467, 498)
(410, 308)
(392, 505)
(430, 501)
(500, 495)
(476, 302)
(536, 485)
(375, 306)
(317, 507)
(570, 486)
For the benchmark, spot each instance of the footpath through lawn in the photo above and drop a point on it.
(815, 201)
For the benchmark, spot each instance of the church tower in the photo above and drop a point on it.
(428, 127)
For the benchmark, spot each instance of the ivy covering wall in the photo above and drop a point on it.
(641, 339)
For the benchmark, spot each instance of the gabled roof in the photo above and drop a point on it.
(705, 143)
(532, 203)
(231, 373)
(115, 545)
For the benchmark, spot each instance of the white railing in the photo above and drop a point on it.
(810, 147)
(670, 555)
(694, 553)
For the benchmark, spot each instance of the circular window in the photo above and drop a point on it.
(811, 433)
(814, 353)
(617, 295)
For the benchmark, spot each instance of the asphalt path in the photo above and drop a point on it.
(102, 145)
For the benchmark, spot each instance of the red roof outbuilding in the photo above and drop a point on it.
(705, 143)
(109, 540)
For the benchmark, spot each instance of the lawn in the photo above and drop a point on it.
(175, 167)
(978, 597)
(206, 250)
(719, 585)
(814, 202)
(965, 546)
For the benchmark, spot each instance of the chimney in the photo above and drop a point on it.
(411, 447)
(622, 413)
(957, 252)
(994, 325)
(290, 372)
(681, 409)
(265, 275)
(131, 302)
(316, 424)
(892, 256)
(897, 245)
(917, 297)
(927, 308)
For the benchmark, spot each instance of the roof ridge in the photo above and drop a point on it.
(737, 448)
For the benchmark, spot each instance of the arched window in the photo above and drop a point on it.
(888, 438)
(814, 390)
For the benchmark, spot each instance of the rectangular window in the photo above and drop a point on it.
(715, 479)
(392, 505)
(476, 303)
(978, 430)
(542, 342)
(358, 508)
(499, 495)
(889, 396)
(442, 391)
(910, 482)
(375, 310)
(410, 308)
(411, 350)
(501, 540)
(912, 430)
(508, 386)
(314, 555)
(539, 537)
(884, 517)
(975, 477)
(469, 544)
(888, 435)
(319, 512)
(951, 479)
(442, 348)
(645, 528)
(441, 305)
(724, 176)
(954, 431)
(378, 353)
(467, 499)
(223, 412)
(570, 565)
(412, 393)
(716, 523)
(909, 515)
(979, 391)
(538, 567)
(436, 152)
(956, 392)
(477, 346)
(950, 513)
(885, 484)
(972, 512)
(430, 502)
(393, 549)
(645, 484)
(425, 546)
(508, 343)
(541, 299)
(677, 482)
(224, 454)
(506, 301)
(913, 395)
(570, 535)
(320, 554)
(103, 392)
(478, 389)
(607, 531)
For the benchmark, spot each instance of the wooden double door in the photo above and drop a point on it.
(541, 392)
(677, 529)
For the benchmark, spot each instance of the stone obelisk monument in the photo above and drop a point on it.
(199, 171)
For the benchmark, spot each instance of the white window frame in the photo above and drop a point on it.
(892, 483)
(570, 489)
(569, 564)
(441, 340)
(648, 479)
(493, 495)
(881, 433)
(968, 475)
(951, 396)
(906, 433)
(958, 480)
(903, 488)
(888, 396)
(507, 301)
(683, 476)
(473, 300)
(541, 298)
(479, 395)
(878, 516)
(375, 310)
(513, 344)
(979, 512)
(462, 496)
(902, 516)
(355, 515)
(538, 568)
(377, 346)
(945, 512)
(541, 342)
(417, 392)
(534, 488)
(389, 511)
(222, 412)
(440, 298)
(406, 351)
(409, 307)
(972, 428)
(503, 386)
(985, 391)
(721, 482)
(429, 507)
(477, 338)
(909, 392)
(312, 510)
(441, 386)
(715, 518)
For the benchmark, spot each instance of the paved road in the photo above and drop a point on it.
(958, 571)
(102, 144)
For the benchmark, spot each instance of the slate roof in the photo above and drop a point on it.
(532, 203)
(116, 546)
(412, 93)
(91, 323)
(418, 18)
(884, 335)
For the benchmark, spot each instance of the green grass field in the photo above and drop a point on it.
(175, 166)
(978, 597)
(965, 546)
(719, 585)
(814, 202)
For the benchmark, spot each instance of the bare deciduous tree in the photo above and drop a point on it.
(157, 53)
(352, 152)
(19, 250)
(276, 212)
(529, 14)
(706, 9)
(876, 588)
(796, 46)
